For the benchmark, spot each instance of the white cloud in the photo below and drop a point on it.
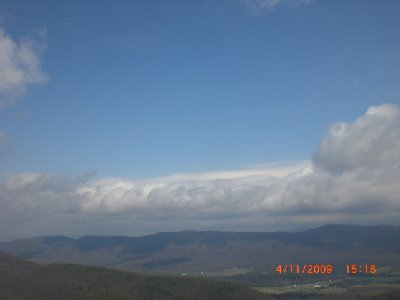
(3, 144)
(259, 6)
(353, 177)
(273, 170)
(20, 67)
(372, 141)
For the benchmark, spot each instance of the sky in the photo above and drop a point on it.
(133, 117)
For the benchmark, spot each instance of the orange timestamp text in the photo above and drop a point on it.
(305, 269)
(351, 269)
(363, 269)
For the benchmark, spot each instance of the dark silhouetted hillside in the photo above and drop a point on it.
(22, 280)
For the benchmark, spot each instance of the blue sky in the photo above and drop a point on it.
(147, 89)
(150, 88)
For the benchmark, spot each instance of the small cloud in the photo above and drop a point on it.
(258, 7)
(65, 24)
(2, 135)
(3, 144)
(20, 66)
(138, 43)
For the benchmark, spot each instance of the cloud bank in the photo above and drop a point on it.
(353, 177)
(20, 67)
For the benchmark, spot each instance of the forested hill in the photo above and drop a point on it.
(22, 280)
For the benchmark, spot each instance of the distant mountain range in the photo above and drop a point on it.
(212, 251)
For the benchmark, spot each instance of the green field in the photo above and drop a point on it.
(344, 288)
(228, 272)
(303, 289)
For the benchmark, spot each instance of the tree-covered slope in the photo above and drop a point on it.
(21, 280)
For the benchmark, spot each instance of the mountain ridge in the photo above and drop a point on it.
(194, 251)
